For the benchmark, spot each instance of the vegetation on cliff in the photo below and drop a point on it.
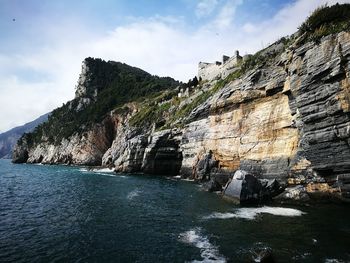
(326, 20)
(109, 86)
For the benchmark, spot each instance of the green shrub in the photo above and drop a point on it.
(150, 114)
(326, 20)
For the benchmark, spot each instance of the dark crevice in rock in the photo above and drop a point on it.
(165, 158)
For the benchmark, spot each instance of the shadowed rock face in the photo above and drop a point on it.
(163, 158)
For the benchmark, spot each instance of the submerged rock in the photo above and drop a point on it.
(263, 255)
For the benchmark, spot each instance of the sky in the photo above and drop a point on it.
(43, 42)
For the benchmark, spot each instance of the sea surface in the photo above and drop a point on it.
(70, 214)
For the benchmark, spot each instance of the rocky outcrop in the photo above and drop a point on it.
(245, 188)
(151, 153)
(81, 149)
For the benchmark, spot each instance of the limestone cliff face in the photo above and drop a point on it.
(82, 149)
(288, 119)
(248, 124)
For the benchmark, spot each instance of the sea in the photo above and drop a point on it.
(52, 213)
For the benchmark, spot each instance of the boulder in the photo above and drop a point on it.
(244, 188)
(263, 255)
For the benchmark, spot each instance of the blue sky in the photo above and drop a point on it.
(41, 51)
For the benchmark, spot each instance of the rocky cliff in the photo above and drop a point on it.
(284, 114)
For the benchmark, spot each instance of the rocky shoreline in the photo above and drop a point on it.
(287, 119)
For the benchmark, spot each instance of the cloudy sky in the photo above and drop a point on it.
(42, 42)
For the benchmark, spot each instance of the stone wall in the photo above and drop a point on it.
(212, 71)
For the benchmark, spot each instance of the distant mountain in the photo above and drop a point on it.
(8, 139)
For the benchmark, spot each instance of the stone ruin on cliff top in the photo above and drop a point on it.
(216, 70)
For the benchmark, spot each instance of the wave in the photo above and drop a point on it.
(97, 170)
(209, 252)
(133, 194)
(103, 171)
(250, 213)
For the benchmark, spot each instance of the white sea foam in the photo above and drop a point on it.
(133, 194)
(209, 252)
(333, 260)
(188, 180)
(250, 213)
(97, 170)
(102, 170)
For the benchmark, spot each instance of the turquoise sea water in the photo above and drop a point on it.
(69, 214)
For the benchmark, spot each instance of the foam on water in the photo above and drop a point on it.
(250, 213)
(209, 252)
(97, 170)
(102, 171)
(133, 194)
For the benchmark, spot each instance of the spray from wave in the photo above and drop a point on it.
(250, 213)
(209, 252)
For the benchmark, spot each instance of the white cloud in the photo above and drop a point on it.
(249, 28)
(159, 45)
(205, 7)
(22, 102)
(226, 14)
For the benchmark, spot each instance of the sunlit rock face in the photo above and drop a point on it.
(289, 118)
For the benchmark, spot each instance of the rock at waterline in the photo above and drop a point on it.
(246, 188)
(204, 165)
(243, 188)
(263, 255)
(296, 193)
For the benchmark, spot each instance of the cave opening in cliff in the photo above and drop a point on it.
(165, 158)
